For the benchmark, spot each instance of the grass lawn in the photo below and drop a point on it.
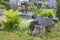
(4, 35)
(25, 34)
(8, 36)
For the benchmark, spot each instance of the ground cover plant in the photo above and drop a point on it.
(26, 35)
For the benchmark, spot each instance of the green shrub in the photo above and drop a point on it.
(1, 0)
(6, 4)
(44, 12)
(12, 19)
(58, 9)
(2, 7)
(35, 3)
(24, 25)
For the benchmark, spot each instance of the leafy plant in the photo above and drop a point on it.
(2, 7)
(43, 12)
(35, 3)
(4, 4)
(58, 9)
(36, 11)
(12, 19)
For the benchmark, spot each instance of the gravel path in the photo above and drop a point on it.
(2, 17)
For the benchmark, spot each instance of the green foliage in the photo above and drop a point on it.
(24, 33)
(27, 34)
(35, 3)
(44, 12)
(58, 9)
(12, 19)
(4, 5)
(36, 11)
(1, 0)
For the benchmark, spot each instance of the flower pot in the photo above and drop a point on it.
(45, 20)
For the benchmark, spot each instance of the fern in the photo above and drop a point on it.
(12, 19)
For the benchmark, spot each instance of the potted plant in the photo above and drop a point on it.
(44, 17)
(36, 11)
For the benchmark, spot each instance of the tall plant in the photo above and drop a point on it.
(12, 19)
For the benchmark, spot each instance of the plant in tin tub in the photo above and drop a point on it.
(40, 12)
(49, 13)
(44, 13)
(36, 11)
